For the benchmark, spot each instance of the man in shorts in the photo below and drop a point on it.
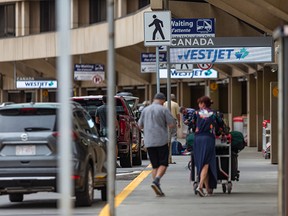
(155, 120)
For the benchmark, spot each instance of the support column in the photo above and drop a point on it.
(74, 14)
(268, 77)
(235, 99)
(274, 122)
(214, 94)
(121, 8)
(18, 24)
(259, 109)
(25, 18)
(251, 115)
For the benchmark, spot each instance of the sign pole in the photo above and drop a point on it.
(157, 69)
(281, 34)
(111, 149)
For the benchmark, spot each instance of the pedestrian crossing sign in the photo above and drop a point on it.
(157, 28)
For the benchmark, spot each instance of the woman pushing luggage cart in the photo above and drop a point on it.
(207, 123)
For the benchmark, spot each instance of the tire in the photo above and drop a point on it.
(137, 160)
(224, 188)
(104, 193)
(16, 197)
(86, 197)
(144, 155)
(126, 160)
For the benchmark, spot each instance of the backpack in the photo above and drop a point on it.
(237, 141)
(177, 148)
(190, 141)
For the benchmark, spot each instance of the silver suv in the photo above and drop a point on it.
(29, 152)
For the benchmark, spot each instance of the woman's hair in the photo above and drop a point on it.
(206, 100)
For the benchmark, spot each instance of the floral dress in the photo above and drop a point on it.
(205, 121)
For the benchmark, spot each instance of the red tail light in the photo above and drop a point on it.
(122, 125)
(74, 135)
(75, 177)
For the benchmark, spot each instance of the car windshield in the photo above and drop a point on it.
(27, 120)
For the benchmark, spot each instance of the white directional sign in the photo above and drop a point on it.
(157, 28)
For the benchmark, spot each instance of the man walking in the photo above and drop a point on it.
(175, 111)
(155, 120)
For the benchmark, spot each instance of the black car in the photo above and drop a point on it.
(29, 152)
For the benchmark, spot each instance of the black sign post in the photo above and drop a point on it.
(281, 34)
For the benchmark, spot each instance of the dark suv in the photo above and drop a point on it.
(29, 152)
(129, 135)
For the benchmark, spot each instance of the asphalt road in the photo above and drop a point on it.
(45, 204)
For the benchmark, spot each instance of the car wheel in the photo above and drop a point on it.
(104, 193)
(137, 160)
(16, 197)
(86, 197)
(126, 160)
(144, 155)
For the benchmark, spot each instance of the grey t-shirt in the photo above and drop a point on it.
(155, 119)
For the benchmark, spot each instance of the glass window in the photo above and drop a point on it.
(47, 16)
(27, 120)
(143, 3)
(7, 20)
(97, 11)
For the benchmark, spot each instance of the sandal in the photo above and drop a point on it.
(200, 192)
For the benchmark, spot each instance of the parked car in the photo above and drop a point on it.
(29, 152)
(129, 135)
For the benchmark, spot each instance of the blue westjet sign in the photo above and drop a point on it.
(221, 55)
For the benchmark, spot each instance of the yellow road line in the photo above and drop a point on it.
(127, 190)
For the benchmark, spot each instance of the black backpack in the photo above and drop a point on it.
(177, 148)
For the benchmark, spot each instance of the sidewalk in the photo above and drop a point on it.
(255, 194)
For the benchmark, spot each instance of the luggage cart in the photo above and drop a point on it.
(223, 150)
(225, 174)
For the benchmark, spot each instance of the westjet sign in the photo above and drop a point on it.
(221, 55)
(36, 84)
(196, 73)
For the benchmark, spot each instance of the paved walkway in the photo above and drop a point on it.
(255, 194)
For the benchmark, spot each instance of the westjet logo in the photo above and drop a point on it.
(37, 84)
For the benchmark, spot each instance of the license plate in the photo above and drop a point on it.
(26, 150)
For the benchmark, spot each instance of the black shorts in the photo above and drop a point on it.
(159, 156)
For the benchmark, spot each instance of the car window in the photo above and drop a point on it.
(27, 120)
(85, 122)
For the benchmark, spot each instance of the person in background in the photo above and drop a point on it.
(155, 120)
(187, 114)
(175, 111)
(101, 119)
(144, 104)
(205, 120)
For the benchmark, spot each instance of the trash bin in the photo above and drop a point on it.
(266, 139)
(240, 124)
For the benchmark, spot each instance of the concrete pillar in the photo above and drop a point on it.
(274, 122)
(214, 95)
(268, 77)
(235, 99)
(251, 115)
(121, 8)
(25, 18)
(259, 109)
(74, 14)
(18, 24)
